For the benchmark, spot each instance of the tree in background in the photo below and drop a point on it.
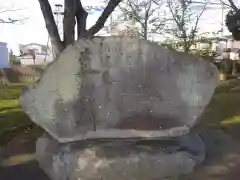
(9, 20)
(144, 16)
(186, 19)
(124, 30)
(13, 58)
(74, 14)
(5, 19)
(233, 20)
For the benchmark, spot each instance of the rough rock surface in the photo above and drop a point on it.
(118, 160)
(119, 87)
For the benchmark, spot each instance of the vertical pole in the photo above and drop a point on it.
(57, 14)
(111, 24)
(45, 58)
(222, 20)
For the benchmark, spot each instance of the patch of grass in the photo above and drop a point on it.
(223, 112)
(224, 106)
(6, 104)
(9, 93)
(234, 120)
(12, 119)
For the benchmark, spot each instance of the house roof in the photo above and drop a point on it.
(3, 43)
(41, 45)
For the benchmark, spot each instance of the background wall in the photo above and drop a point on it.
(4, 55)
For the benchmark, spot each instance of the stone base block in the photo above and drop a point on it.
(120, 159)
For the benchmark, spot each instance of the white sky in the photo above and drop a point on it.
(33, 29)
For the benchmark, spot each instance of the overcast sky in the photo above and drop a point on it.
(33, 29)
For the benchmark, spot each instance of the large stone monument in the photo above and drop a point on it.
(120, 108)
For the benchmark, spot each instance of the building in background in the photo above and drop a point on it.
(4, 55)
(35, 54)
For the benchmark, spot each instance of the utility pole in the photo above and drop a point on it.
(58, 17)
(222, 20)
(111, 24)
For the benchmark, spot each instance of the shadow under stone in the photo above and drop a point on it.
(149, 121)
(23, 172)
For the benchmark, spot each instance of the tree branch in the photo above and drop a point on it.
(69, 22)
(134, 8)
(233, 5)
(133, 13)
(102, 19)
(181, 12)
(146, 18)
(225, 4)
(173, 14)
(11, 21)
(193, 33)
(10, 10)
(51, 26)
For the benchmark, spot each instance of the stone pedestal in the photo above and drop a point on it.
(120, 159)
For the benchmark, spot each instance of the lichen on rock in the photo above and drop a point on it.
(120, 87)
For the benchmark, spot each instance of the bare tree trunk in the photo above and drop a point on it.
(81, 16)
(186, 42)
(147, 9)
(51, 26)
(234, 69)
(69, 22)
(186, 49)
(73, 9)
(102, 19)
(145, 28)
(145, 33)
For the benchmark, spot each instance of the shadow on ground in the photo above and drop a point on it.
(26, 171)
(222, 160)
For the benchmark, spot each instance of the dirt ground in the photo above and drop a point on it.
(17, 159)
(222, 160)
(28, 171)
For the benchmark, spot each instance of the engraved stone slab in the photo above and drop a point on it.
(120, 87)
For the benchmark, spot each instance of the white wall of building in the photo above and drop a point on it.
(233, 44)
(40, 60)
(220, 46)
(4, 55)
(38, 49)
